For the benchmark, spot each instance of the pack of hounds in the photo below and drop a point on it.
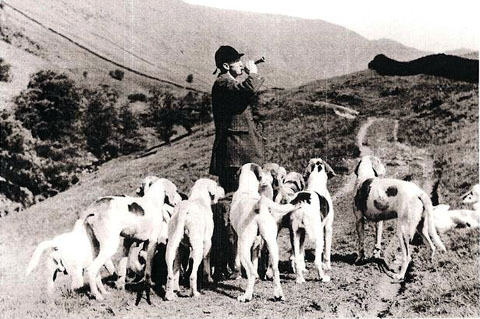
(266, 200)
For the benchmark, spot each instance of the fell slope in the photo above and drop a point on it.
(172, 39)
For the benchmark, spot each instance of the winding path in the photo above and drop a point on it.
(386, 290)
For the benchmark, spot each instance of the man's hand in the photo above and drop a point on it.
(250, 67)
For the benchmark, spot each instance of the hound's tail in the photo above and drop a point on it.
(429, 220)
(277, 210)
(176, 231)
(47, 244)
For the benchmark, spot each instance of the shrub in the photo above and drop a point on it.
(137, 97)
(197, 107)
(100, 123)
(50, 106)
(117, 74)
(162, 114)
(128, 127)
(19, 163)
(5, 75)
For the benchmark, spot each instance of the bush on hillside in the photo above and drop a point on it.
(5, 75)
(162, 114)
(101, 122)
(137, 97)
(128, 127)
(117, 74)
(167, 111)
(197, 107)
(19, 163)
(50, 106)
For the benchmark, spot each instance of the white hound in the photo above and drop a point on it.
(386, 198)
(473, 197)
(69, 253)
(250, 216)
(143, 219)
(446, 219)
(192, 225)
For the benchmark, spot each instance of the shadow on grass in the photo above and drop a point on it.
(226, 289)
(153, 149)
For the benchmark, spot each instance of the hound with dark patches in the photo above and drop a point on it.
(192, 225)
(142, 219)
(292, 184)
(250, 217)
(371, 165)
(314, 217)
(379, 199)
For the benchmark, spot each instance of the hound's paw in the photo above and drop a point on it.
(99, 297)
(278, 294)
(244, 298)
(269, 274)
(194, 293)
(377, 253)
(326, 278)
(106, 293)
(300, 280)
(170, 296)
(327, 266)
(398, 277)
(120, 285)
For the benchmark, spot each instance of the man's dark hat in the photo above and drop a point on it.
(226, 54)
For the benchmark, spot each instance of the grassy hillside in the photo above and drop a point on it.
(424, 128)
(437, 115)
(172, 39)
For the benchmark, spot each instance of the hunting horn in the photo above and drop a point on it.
(261, 60)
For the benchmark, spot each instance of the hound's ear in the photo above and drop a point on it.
(257, 170)
(356, 168)
(219, 193)
(330, 171)
(170, 192)
(302, 182)
(308, 170)
(275, 177)
(237, 174)
(273, 173)
(282, 173)
(377, 166)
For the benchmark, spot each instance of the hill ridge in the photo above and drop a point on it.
(104, 57)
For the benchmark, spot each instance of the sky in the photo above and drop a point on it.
(436, 26)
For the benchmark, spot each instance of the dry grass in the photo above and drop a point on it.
(447, 286)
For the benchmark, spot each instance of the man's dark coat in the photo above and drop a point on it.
(237, 142)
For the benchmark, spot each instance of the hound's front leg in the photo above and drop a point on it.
(328, 244)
